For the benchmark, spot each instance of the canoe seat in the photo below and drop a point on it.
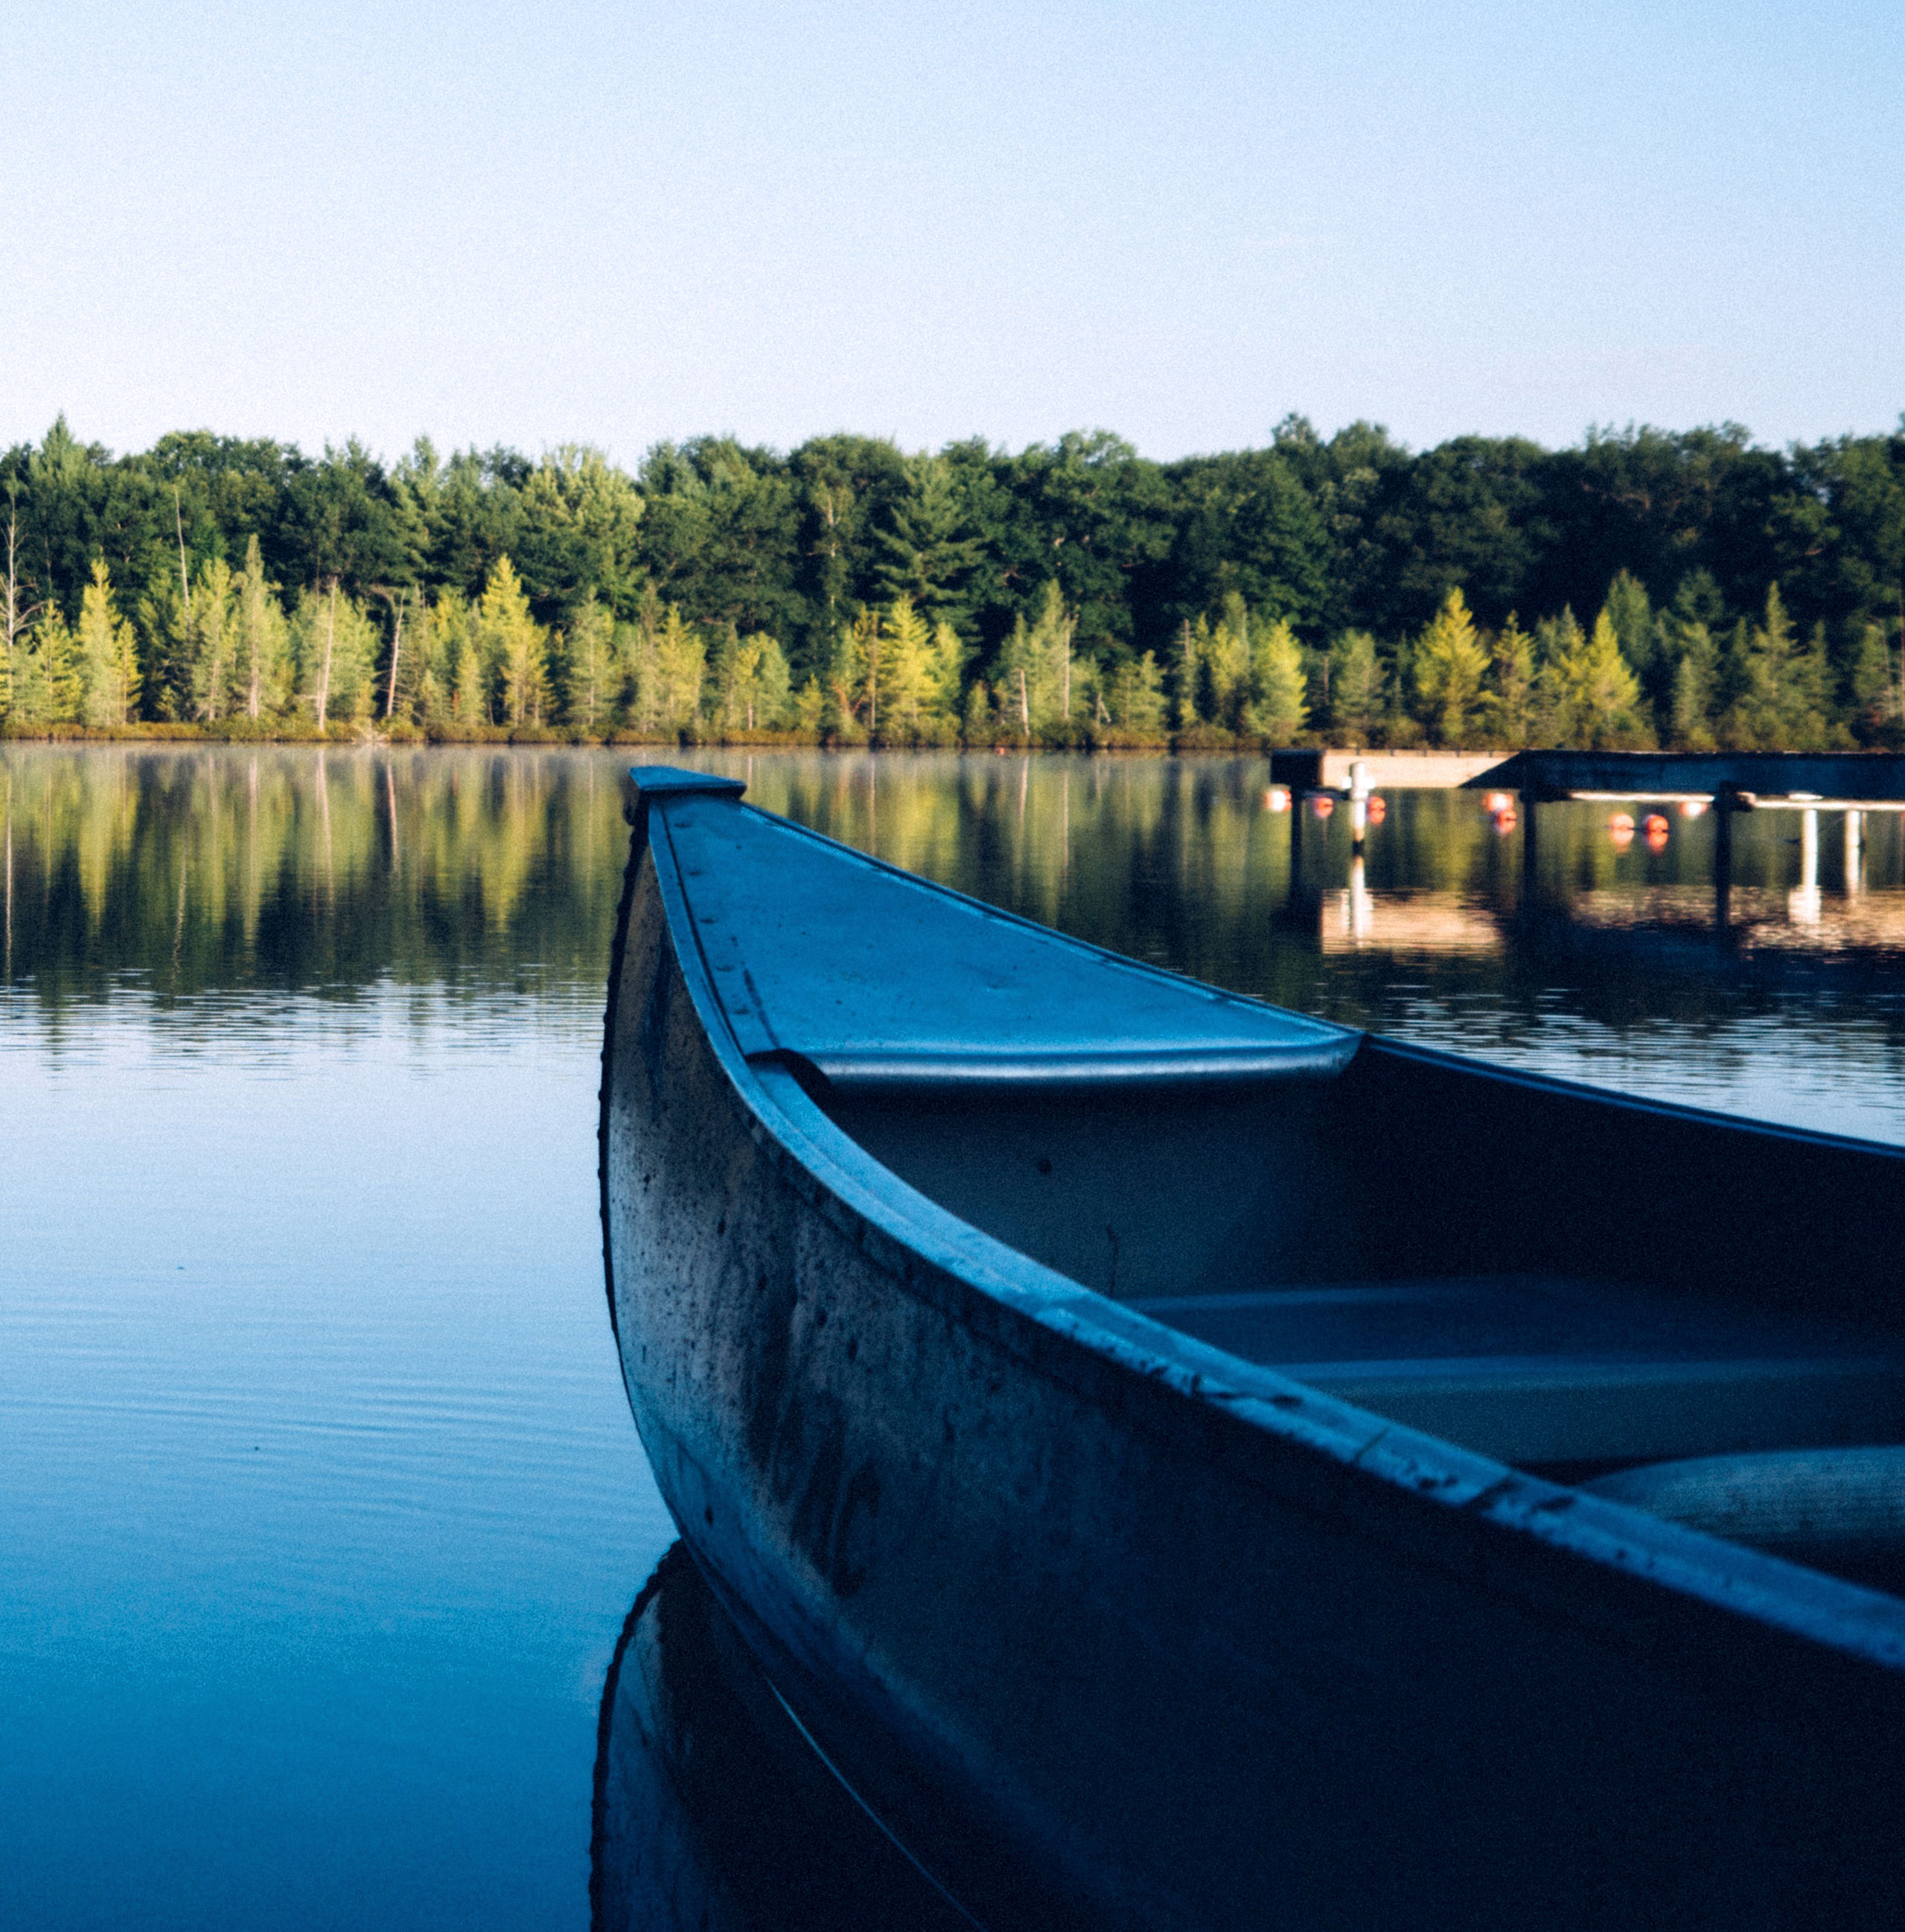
(1539, 1370)
(1841, 1510)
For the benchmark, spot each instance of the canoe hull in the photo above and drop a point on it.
(1098, 1650)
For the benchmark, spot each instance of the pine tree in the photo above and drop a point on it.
(106, 653)
(1632, 616)
(1688, 668)
(946, 672)
(1355, 688)
(1591, 693)
(681, 663)
(1777, 701)
(210, 634)
(1696, 676)
(905, 673)
(1187, 673)
(1450, 662)
(263, 644)
(1224, 688)
(514, 644)
(1277, 709)
(1136, 694)
(929, 554)
(1874, 699)
(1050, 646)
(1508, 709)
(590, 655)
(750, 683)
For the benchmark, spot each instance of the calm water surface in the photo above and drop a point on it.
(322, 1513)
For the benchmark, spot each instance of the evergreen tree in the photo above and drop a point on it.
(1696, 678)
(905, 673)
(1355, 688)
(1187, 673)
(107, 656)
(1451, 661)
(1778, 703)
(927, 554)
(978, 725)
(1591, 695)
(1872, 696)
(46, 680)
(333, 647)
(1687, 665)
(211, 632)
(681, 663)
(590, 655)
(1509, 709)
(263, 642)
(514, 645)
(751, 683)
(945, 670)
(1277, 710)
(1136, 694)
(1224, 680)
(1632, 616)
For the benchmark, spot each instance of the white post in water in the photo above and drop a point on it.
(1855, 834)
(1803, 902)
(1359, 803)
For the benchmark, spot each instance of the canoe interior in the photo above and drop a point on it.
(1579, 1285)
(1572, 1285)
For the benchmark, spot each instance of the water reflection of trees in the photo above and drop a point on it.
(182, 872)
(294, 870)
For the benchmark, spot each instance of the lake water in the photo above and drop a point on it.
(322, 1513)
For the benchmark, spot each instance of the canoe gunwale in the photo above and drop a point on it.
(1162, 1381)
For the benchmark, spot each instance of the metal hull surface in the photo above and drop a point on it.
(1108, 1628)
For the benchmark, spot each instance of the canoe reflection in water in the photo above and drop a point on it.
(712, 1810)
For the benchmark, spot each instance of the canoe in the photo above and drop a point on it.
(1183, 1464)
(711, 1813)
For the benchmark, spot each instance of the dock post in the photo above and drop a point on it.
(1802, 902)
(1727, 800)
(1359, 804)
(1855, 851)
(1528, 800)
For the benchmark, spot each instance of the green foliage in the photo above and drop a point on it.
(1356, 688)
(106, 658)
(1592, 697)
(1511, 713)
(1277, 709)
(1055, 570)
(512, 647)
(1778, 687)
(1450, 662)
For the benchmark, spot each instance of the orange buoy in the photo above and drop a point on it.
(1322, 804)
(1501, 801)
(1505, 821)
(1622, 821)
(1277, 799)
(1654, 826)
(1692, 808)
(1377, 811)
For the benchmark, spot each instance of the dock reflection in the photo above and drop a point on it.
(712, 1812)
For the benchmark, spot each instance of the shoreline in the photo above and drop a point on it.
(1420, 768)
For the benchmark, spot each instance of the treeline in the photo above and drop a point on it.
(1647, 587)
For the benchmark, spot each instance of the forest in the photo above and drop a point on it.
(1689, 589)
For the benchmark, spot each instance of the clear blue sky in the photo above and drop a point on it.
(617, 223)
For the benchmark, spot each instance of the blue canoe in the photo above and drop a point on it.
(1185, 1464)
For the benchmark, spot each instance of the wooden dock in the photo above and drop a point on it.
(1741, 781)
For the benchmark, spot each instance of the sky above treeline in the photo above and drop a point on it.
(616, 222)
